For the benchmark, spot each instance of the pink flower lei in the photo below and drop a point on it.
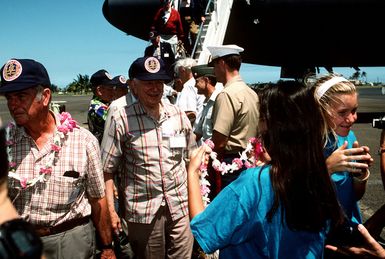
(67, 124)
(248, 158)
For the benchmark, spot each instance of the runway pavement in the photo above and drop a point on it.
(370, 100)
(77, 105)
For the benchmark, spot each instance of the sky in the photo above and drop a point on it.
(72, 37)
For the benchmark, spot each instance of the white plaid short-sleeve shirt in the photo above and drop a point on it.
(61, 198)
(152, 155)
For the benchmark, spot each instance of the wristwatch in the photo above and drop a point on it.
(107, 246)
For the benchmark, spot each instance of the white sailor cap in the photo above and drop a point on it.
(224, 50)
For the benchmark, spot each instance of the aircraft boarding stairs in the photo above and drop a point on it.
(213, 30)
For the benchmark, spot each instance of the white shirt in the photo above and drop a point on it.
(167, 91)
(166, 15)
(189, 99)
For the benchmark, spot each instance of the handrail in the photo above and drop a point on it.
(198, 38)
(216, 28)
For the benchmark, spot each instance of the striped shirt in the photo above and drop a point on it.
(152, 154)
(61, 198)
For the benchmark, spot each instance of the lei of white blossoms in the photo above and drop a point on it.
(67, 124)
(247, 158)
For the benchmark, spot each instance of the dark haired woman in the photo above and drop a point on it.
(284, 208)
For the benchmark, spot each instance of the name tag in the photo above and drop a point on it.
(166, 55)
(167, 133)
(178, 141)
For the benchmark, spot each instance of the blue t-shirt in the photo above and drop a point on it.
(343, 182)
(235, 222)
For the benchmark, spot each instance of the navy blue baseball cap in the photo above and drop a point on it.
(119, 81)
(101, 77)
(148, 69)
(21, 74)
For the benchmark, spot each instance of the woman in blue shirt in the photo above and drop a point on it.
(284, 208)
(347, 162)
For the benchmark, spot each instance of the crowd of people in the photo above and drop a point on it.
(130, 186)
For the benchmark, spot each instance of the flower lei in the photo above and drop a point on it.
(67, 124)
(248, 158)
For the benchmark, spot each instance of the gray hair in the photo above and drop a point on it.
(187, 63)
(39, 93)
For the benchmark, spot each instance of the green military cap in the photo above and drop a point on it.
(202, 70)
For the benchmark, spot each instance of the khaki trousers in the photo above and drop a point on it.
(163, 238)
(78, 243)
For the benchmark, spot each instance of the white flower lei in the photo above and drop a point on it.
(247, 158)
(67, 124)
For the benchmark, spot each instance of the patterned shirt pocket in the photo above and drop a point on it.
(57, 194)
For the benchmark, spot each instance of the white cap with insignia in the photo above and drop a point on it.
(224, 50)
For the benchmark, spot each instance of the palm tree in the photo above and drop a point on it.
(364, 76)
(71, 87)
(54, 88)
(80, 85)
(356, 75)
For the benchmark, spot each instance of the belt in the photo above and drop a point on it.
(70, 224)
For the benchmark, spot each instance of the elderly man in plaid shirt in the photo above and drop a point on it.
(55, 178)
(151, 140)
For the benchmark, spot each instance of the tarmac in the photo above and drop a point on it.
(371, 101)
(371, 104)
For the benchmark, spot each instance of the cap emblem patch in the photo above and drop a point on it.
(122, 79)
(152, 65)
(12, 70)
(108, 75)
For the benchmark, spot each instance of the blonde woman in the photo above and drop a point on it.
(347, 162)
